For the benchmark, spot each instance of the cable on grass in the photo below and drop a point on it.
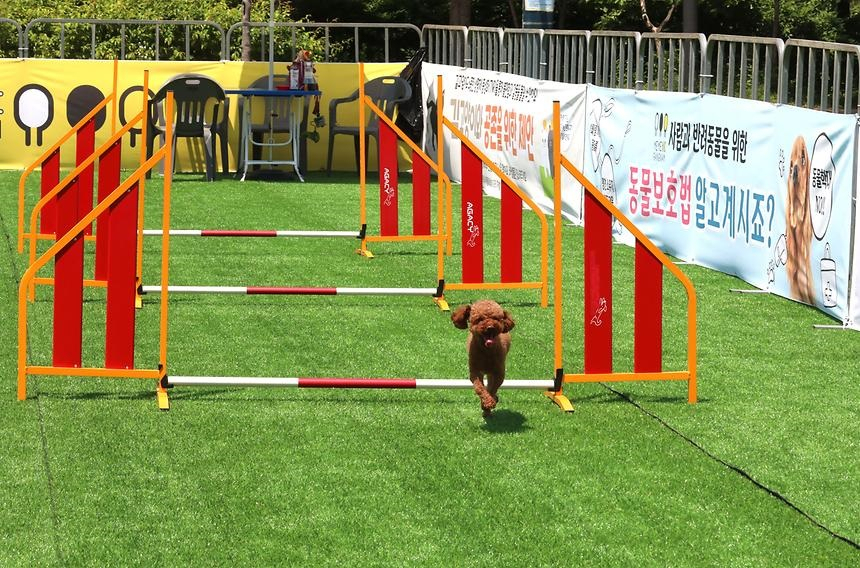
(738, 470)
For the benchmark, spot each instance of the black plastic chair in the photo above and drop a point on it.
(386, 93)
(193, 95)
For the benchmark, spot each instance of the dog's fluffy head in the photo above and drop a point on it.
(797, 206)
(484, 318)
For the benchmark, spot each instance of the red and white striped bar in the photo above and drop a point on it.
(246, 233)
(291, 291)
(345, 383)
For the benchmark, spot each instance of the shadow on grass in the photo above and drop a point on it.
(610, 397)
(505, 422)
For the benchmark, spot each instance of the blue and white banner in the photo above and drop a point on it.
(744, 187)
(509, 118)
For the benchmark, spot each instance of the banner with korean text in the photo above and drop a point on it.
(509, 118)
(760, 191)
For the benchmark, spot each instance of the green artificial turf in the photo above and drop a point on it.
(763, 471)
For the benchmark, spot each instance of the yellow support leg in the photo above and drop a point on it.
(560, 400)
(364, 252)
(442, 303)
(161, 398)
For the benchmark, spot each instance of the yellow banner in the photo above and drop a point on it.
(40, 99)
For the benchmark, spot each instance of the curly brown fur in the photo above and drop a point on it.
(487, 345)
(798, 225)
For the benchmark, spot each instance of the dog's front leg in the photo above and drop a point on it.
(494, 382)
(487, 400)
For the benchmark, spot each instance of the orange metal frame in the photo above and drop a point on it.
(689, 374)
(29, 278)
(443, 187)
(543, 284)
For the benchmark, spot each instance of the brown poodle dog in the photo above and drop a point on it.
(798, 225)
(488, 344)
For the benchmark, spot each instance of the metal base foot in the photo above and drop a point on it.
(560, 400)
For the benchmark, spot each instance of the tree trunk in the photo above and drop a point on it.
(460, 13)
(691, 16)
(246, 30)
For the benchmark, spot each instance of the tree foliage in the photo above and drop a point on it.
(175, 42)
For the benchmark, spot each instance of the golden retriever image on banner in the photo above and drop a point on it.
(798, 225)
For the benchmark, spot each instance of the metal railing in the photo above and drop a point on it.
(810, 74)
(743, 67)
(670, 62)
(485, 49)
(446, 45)
(566, 55)
(612, 59)
(18, 37)
(366, 42)
(821, 75)
(523, 51)
(112, 37)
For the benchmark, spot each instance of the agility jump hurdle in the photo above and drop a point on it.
(57, 203)
(471, 207)
(118, 210)
(388, 170)
(648, 301)
(340, 383)
(598, 366)
(249, 233)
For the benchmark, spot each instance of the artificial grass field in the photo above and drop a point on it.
(763, 471)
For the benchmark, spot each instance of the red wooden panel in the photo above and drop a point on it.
(50, 179)
(387, 181)
(121, 287)
(598, 287)
(84, 147)
(472, 212)
(512, 236)
(68, 284)
(420, 195)
(108, 181)
(648, 315)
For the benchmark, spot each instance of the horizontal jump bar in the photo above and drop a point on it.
(295, 291)
(249, 233)
(344, 383)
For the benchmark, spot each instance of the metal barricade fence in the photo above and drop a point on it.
(811, 74)
(821, 75)
(670, 62)
(115, 35)
(523, 54)
(446, 45)
(743, 67)
(13, 42)
(612, 59)
(566, 55)
(485, 49)
(342, 42)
